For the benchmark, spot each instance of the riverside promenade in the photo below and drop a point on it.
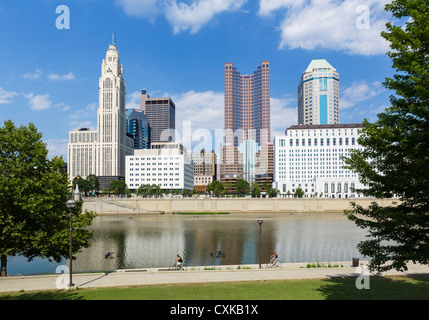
(153, 276)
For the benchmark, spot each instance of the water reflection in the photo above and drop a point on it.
(154, 241)
(143, 242)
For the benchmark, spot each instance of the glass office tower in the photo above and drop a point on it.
(318, 94)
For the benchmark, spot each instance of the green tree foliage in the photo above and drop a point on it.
(395, 159)
(256, 191)
(242, 187)
(216, 187)
(299, 193)
(34, 220)
(118, 187)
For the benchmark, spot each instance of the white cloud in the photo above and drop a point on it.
(6, 96)
(359, 91)
(33, 76)
(282, 115)
(39, 102)
(141, 8)
(182, 16)
(57, 147)
(205, 110)
(81, 118)
(58, 77)
(133, 100)
(330, 24)
(193, 17)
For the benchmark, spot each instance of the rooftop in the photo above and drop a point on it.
(318, 63)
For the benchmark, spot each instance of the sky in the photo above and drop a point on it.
(50, 60)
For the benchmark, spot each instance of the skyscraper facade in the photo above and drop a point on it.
(245, 153)
(161, 114)
(102, 152)
(113, 142)
(138, 127)
(318, 94)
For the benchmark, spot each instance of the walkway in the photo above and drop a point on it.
(192, 275)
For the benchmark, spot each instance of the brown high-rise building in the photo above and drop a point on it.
(247, 151)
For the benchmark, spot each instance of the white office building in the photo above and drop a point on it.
(103, 152)
(308, 157)
(318, 94)
(165, 164)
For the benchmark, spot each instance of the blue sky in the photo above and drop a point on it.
(177, 48)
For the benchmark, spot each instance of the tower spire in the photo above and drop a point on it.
(114, 39)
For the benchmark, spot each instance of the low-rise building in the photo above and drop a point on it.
(309, 157)
(168, 167)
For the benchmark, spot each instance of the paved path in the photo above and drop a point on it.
(192, 275)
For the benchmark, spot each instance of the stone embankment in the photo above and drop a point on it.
(104, 205)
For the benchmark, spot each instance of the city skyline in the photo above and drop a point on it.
(49, 75)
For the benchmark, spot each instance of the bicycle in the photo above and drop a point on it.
(271, 264)
(174, 267)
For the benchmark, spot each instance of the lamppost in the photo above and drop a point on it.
(70, 205)
(260, 221)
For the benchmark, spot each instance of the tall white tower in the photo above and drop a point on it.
(103, 152)
(113, 143)
(318, 94)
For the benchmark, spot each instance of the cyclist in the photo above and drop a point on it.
(178, 262)
(274, 258)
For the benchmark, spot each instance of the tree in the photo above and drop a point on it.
(395, 158)
(256, 192)
(273, 192)
(299, 192)
(216, 187)
(266, 185)
(242, 187)
(118, 187)
(228, 186)
(34, 219)
(143, 190)
(84, 185)
(93, 182)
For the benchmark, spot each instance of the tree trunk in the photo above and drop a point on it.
(3, 265)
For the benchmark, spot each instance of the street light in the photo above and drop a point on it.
(260, 221)
(70, 205)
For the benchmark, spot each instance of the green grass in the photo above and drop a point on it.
(202, 213)
(322, 265)
(388, 288)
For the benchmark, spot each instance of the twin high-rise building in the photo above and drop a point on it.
(318, 94)
(247, 150)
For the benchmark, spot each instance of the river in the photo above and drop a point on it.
(145, 241)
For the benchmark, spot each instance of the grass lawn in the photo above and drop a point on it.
(388, 288)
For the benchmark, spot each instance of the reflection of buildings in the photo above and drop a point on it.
(308, 156)
(247, 148)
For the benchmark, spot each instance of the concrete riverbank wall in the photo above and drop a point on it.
(232, 205)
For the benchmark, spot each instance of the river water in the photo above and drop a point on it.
(137, 241)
